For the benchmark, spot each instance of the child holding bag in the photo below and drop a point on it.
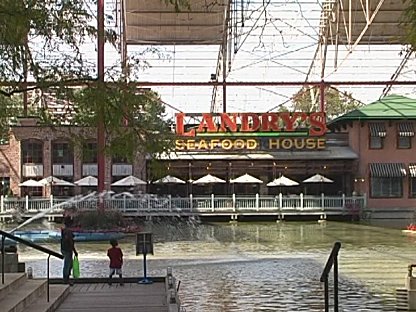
(116, 261)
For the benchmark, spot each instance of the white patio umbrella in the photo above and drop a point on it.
(208, 179)
(282, 181)
(246, 178)
(170, 180)
(54, 181)
(129, 181)
(31, 183)
(87, 181)
(317, 178)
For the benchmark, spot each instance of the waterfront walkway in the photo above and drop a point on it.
(20, 293)
(105, 298)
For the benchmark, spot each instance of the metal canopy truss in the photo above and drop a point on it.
(349, 23)
(155, 22)
(367, 22)
(227, 44)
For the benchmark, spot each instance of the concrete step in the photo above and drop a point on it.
(20, 298)
(12, 281)
(401, 299)
(57, 294)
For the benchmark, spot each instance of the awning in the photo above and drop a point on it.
(412, 170)
(406, 129)
(377, 129)
(387, 170)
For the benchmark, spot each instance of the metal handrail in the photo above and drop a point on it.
(29, 244)
(332, 262)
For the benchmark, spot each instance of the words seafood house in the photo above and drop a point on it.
(251, 131)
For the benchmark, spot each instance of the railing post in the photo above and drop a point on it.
(191, 201)
(26, 203)
(124, 203)
(47, 279)
(170, 202)
(233, 202)
(336, 284)
(212, 203)
(280, 201)
(301, 201)
(2, 204)
(322, 201)
(257, 202)
(51, 200)
(326, 291)
(343, 201)
(364, 201)
(3, 242)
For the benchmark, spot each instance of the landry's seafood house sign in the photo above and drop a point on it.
(251, 131)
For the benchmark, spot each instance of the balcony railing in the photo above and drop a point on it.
(200, 204)
(32, 170)
(63, 170)
(122, 170)
(89, 169)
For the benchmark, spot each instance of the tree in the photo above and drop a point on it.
(336, 102)
(40, 43)
(409, 22)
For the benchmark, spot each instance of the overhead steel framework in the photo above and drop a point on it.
(359, 22)
(343, 23)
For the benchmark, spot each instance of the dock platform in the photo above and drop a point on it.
(95, 294)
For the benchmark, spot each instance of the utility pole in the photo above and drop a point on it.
(100, 70)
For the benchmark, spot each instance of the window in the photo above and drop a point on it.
(119, 160)
(412, 192)
(377, 132)
(405, 133)
(62, 153)
(5, 186)
(32, 152)
(376, 142)
(89, 153)
(386, 187)
(404, 142)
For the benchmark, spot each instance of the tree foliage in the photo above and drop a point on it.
(135, 119)
(40, 42)
(409, 22)
(336, 102)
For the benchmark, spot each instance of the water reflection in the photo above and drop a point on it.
(261, 266)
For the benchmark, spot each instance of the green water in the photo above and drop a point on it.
(261, 266)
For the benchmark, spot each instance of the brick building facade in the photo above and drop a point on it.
(35, 152)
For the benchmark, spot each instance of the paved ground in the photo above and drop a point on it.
(104, 298)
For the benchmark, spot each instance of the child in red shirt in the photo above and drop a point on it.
(116, 260)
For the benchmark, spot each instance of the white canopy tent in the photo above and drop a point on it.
(208, 179)
(170, 180)
(87, 181)
(318, 178)
(282, 181)
(246, 178)
(129, 181)
(31, 183)
(54, 181)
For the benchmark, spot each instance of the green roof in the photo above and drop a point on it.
(389, 107)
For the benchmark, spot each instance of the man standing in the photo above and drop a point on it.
(67, 249)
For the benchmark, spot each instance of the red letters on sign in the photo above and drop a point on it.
(253, 122)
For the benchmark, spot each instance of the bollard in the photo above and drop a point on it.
(411, 288)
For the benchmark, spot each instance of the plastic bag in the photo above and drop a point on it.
(75, 268)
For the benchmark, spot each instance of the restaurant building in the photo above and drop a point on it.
(367, 151)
